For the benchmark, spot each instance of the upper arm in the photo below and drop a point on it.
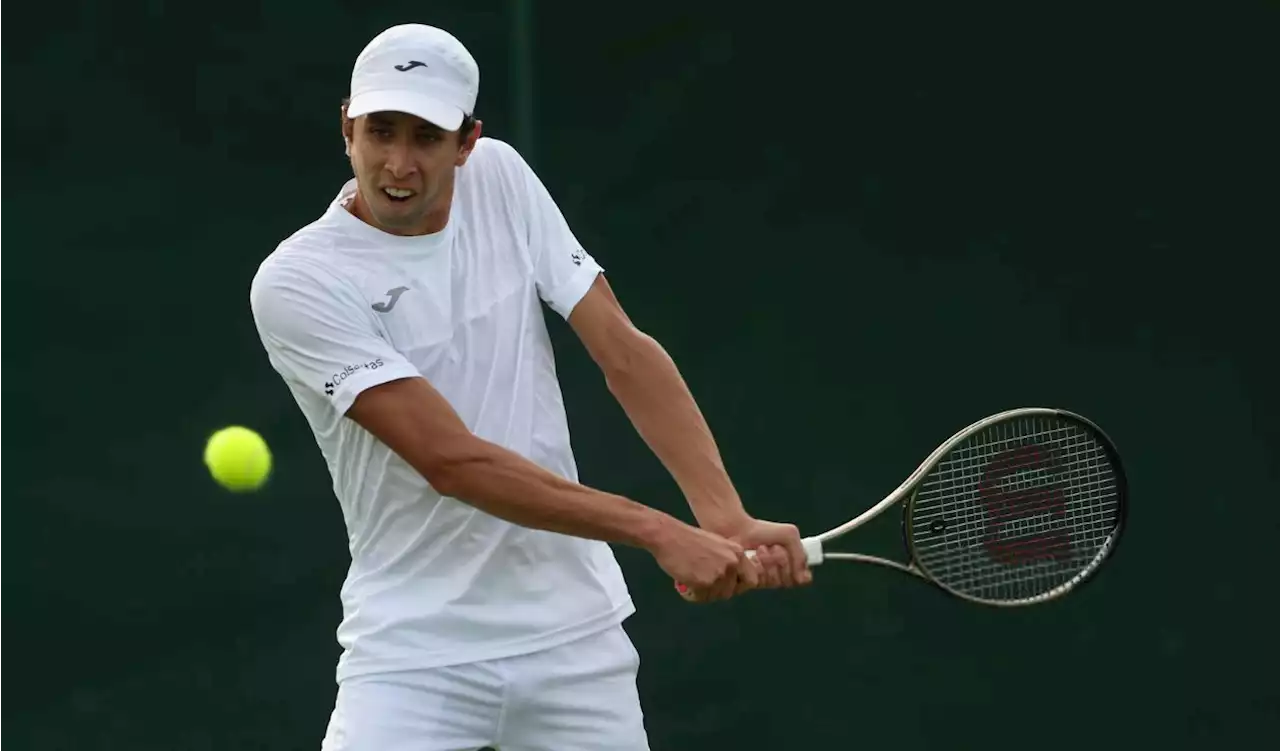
(416, 422)
(605, 329)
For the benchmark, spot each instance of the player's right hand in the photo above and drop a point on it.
(714, 567)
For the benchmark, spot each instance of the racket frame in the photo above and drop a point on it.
(815, 546)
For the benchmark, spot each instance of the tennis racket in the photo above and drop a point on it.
(1018, 508)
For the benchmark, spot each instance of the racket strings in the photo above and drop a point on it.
(1017, 511)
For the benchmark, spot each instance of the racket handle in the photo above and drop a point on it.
(812, 551)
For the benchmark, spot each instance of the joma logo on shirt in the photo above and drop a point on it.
(394, 294)
(346, 372)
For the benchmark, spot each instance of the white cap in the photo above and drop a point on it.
(417, 69)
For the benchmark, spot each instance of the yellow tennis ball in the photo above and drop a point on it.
(238, 459)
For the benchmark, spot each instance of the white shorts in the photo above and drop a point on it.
(581, 695)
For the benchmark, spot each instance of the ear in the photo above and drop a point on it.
(465, 151)
(348, 129)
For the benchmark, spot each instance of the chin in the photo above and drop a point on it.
(407, 211)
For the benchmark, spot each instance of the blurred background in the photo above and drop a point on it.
(857, 227)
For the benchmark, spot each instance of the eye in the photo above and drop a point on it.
(431, 136)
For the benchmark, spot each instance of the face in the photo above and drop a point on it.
(404, 169)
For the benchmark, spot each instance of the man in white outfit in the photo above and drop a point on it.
(483, 605)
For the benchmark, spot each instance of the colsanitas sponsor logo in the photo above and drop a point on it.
(348, 371)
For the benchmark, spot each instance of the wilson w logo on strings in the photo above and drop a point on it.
(1024, 494)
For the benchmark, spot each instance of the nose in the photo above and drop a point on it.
(399, 161)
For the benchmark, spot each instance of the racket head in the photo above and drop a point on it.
(1018, 509)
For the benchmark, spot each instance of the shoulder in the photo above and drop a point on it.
(493, 160)
(494, 151)
(498, 184)
(500, 175)
(313, 253)
(300, 272)
(292, 265)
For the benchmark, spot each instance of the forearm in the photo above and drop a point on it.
(508, 486)
(660, 406)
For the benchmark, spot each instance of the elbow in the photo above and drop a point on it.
(448, 471)
(443, 478)
(631, 357)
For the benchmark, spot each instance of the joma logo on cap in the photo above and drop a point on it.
(411, 65)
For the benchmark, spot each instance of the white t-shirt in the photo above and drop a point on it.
(342, 306)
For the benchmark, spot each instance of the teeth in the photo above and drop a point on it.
(398, 192)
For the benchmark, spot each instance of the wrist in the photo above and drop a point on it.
(717, 507)
(724, 522)
(652, 529)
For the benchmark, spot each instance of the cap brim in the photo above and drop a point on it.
(428, 108)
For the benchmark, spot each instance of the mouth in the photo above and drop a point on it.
(398, 195)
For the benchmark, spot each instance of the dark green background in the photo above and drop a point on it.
(855, 229)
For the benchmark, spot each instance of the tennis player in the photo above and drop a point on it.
(483, 604)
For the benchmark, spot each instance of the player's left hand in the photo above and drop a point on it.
(778, 552)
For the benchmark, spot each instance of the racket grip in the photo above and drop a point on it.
(812, 551)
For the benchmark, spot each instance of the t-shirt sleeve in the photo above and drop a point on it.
(318, 334)
(563, 269)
